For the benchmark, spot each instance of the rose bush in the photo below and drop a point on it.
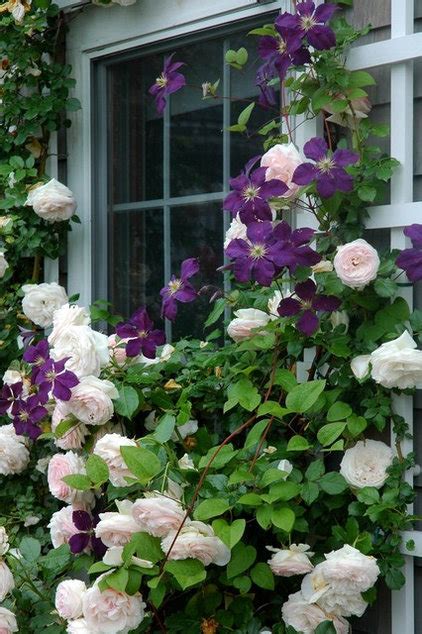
(145, 484)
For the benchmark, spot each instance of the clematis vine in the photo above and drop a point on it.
(308, 304)
(142, 336)
(410, 260)
(251, 193)
(310, 22)
(85, 537)
(179, 289)
(168, 82)
(328, 171)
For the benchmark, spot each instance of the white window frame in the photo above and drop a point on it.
(99, 32)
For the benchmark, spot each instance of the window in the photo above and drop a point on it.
(162, 179)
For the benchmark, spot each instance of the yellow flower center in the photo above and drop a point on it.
(326, 165)
(174, 286)
(161, 80)
(307, 22)
(258, 251)
(250, 192)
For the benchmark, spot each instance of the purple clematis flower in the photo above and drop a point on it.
(254, 259)
(328, 171)
(53, 376)
(86, 524)
(10, 397)
(140, 331)
(26, 416)
(267, 97)
(310, 22)
(307, 306)
(293, 247)
(167, 83)
(410, 260)
(37, 355)
(280, 51)
(251, 193)
(179, 289)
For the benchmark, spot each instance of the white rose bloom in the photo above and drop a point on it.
(340, 317)
(67, 315)
(108, 448)
(68, 600)
(291, 561)
(397, 363)
(3, 264)
(14, 455)
(246, 322)
(116, 529)
(236, 231)
(4, 541)
(114, 557)
(42, 464)
(336, 584)
(360, 365)
(365, 464)
(8, 623)
(6, 580)
(10, 377)
(157, 514)
(91, 400)
(53, 201)
(286, 466)
(79, 626)
(186, 463)
(41, 300)
(65, 464)
(112, 612)
(87, 350)
(196, 540)
(273, 304)
(305, 617)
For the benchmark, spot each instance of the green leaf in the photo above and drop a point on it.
(263, 516)
(304, 395)
(96, 469)
(118, 579)
(217, 311)
(309, 492)
(298, 443)
(356, 425)
(187, 572)
(262, 576)
(243, 393)
(128, 401)
(368, 495)
(242, 558)
(273, 408)
(250, 499)
(165, 428)
(147, 547)
(367, 193)
(73, 104)
(333, 483)
(255, 434)
(78, 481)
(30, 548)
(221, 459)
(283, 518)
(143, 463)
(359, 78)
(245, 115)
(134, 581)
(58, 558)
(329, 433)
(64, 426)
(230, 534)
(385, 287)
(285, 379)
(283, 491)
(242, 56)
(211, 508)
(339, 411)
(315, 470)
(326, 627)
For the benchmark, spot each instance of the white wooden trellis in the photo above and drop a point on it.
(94, 35)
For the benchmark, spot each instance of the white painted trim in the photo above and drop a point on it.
(406, 47)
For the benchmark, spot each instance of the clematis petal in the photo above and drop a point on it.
(414, 232)
(321, 37)
(308, 323)
(315, 149)
(304, 174)
(306, 290)
(327, 303)
(189, 268)
(288, 307)
(324, 12)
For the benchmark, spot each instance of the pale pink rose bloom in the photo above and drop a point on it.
(305, 617)
(157, 515)
(74, 437)
(86, 350)
(79, 626)
(64, 464)
(292, 561)
(197, 540)
(91, 400)
(110, 612)
(108, 448)
(53, 201)
(8, 623)
(366, 464)
(356, 263)
(245, 323)
(68, 599)
(117, 349)
(116, 529)
(281, 161)
(61, 526)
(14, 455)
(7, 582)
(66, 316)
(40, 301)
(236, 231)
(360, 365)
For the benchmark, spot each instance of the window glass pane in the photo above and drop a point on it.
(196, 231)
(135, 131)
(136, 270)
(196, 132)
